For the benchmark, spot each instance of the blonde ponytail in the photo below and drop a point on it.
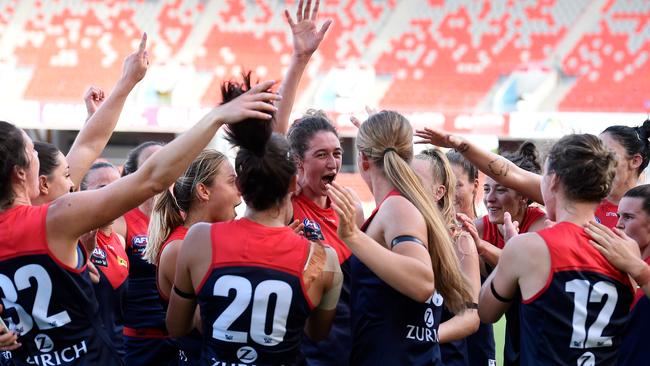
(443, 175)
(169, 206)
(165, 217)
(387, 139)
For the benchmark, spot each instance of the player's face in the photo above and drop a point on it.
(633, 219)
(224, 195)
(498, 199)
(320, 164)
(623, 169)
(425, 172)
(146, 153)
(59, 182)
(101, 177)
(32, 168)
(465, 190)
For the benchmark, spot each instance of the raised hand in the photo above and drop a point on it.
(468, 226)
(618, 248)
(343, 204)
(511, 228)
(356, 122)
(437, 138)
(137, 63)
(255, 103)
(305, 36)
(298, 227)
(93, 98)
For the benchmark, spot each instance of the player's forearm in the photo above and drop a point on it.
(288, 91)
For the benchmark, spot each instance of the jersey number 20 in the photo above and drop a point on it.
(261, 297)
(585, 294)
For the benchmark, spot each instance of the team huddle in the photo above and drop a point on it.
(148, 263)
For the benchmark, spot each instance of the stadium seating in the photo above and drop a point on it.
(442, 56)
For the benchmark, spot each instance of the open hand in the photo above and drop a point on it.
(618, 248)
(255, 103)
(437, 138)
(344, 205)
(306, 38)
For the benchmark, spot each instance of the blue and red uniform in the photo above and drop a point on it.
(145, 335)
(50, 304)
(634, 349)
(492, 235)
(607, 214)
(189, 347)
(388, 327)
(579, 317)
(112, 264)
(253, 300)
(335, 350)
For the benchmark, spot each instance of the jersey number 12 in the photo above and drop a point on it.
(584, 293)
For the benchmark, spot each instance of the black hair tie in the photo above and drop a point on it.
(389, 149)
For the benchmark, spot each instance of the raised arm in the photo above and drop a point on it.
(306, 40)
(496, 167)
(94, 135)
(70, 216)
(407, 268)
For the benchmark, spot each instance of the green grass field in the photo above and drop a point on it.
(499, 334)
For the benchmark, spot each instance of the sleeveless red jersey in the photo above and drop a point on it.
(112, 264)
(253, 301)
(304, 208)
(580, 315)
(491, 232)
(45, 300)
(607, 214)
(335, 350)
(176, 234)
(143, 313)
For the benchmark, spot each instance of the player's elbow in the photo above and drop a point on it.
(423, 291)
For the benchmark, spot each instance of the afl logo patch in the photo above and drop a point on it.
(43, 343)
(247, 354)
(99, 257)
(139, 243)
(99, 253)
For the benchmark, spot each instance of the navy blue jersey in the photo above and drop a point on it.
(480, 345)
(51, 306)
(453, 353)
(634, 349)
(143, 313)
(335, 350)
(189, 347)
(389, 328)
(111, 262)
(252, 299)
(579, 317)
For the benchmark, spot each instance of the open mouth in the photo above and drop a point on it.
(328, 179)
